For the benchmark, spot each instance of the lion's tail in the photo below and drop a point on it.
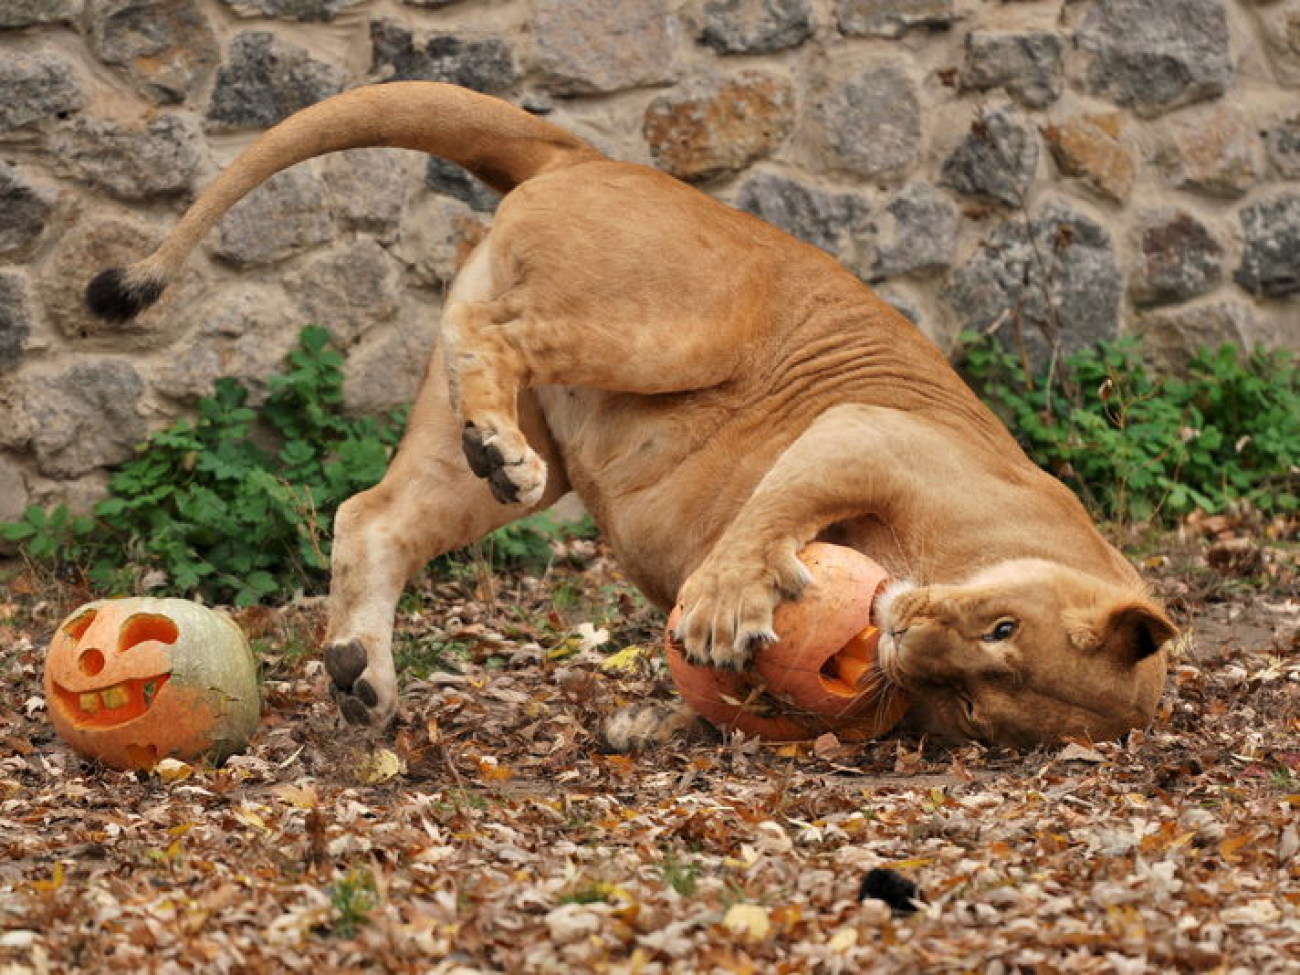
(500, 144)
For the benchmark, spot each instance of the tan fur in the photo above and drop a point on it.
(719, 394)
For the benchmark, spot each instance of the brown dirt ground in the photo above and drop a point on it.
(500, 838)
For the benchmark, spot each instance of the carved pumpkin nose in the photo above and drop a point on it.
(91, 661)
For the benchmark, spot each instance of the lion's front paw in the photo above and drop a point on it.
(727, 607)
(364, 695)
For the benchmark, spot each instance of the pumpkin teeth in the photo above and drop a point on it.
(115, 697)
(113, 705)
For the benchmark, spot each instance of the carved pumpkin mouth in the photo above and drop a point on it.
(853, 668)
(108, 707)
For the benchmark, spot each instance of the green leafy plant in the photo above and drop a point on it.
(1137, 445)
(234, 504)
(681, 875)
(528, 543)
(419, 656)
(353, 897)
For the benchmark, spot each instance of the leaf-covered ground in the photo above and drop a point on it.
(490, 833)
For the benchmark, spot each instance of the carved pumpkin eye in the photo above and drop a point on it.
(143, 627)
(79, 624)
(1002, 631)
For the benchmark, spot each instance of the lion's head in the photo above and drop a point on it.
(1026, 652)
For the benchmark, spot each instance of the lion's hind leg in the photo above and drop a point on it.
(427, 504)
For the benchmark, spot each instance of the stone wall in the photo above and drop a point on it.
(1063, 171)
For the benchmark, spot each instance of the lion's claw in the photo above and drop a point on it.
(727, 609)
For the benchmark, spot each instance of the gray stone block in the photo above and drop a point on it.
(482, 63)
(892, 18)
(243, 331)
(368, 189)
(916, 232)
(28, 13)
(755, 26)
(870, 125)
(1283, 142)
(131, 163)
(85, 416)
(1027, 66)
(14, 498)
(280, 218)
(825, 220)
(1171, 337)
(1155, 55)
(603, 45)
(15, 317)
(348, 290)
(1270, 259)
(37, 87)
(1053, 283)
(304, 10)
(1280, 25)
(265, 80)
(25, 208)
(996, 161)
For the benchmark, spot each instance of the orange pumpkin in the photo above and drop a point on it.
(822, 673)
(133, 681)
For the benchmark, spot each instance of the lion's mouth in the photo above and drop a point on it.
(117, 704)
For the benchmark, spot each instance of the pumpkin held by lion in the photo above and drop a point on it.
(822, 674)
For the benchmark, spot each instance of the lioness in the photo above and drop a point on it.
(718, 394)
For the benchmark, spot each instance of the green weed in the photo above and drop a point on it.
(1140, 446)
(681, 876)
(353, 897)
(204, 507)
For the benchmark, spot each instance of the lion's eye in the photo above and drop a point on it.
(1002, 630)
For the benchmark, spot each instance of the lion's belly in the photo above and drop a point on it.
(661, 475)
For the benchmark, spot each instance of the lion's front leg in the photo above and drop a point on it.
(728, 601)
(835, 470)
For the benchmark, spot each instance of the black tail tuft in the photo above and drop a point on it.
(111, 296)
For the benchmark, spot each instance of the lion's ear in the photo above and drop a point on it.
(1129, 631)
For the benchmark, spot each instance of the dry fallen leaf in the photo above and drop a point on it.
(378, 766)
(749, 921)
(515, 844)
(625, 661)
(171, 770)
(1074, 752)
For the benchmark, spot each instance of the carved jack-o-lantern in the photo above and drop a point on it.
(822, 673)
(133, 681)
